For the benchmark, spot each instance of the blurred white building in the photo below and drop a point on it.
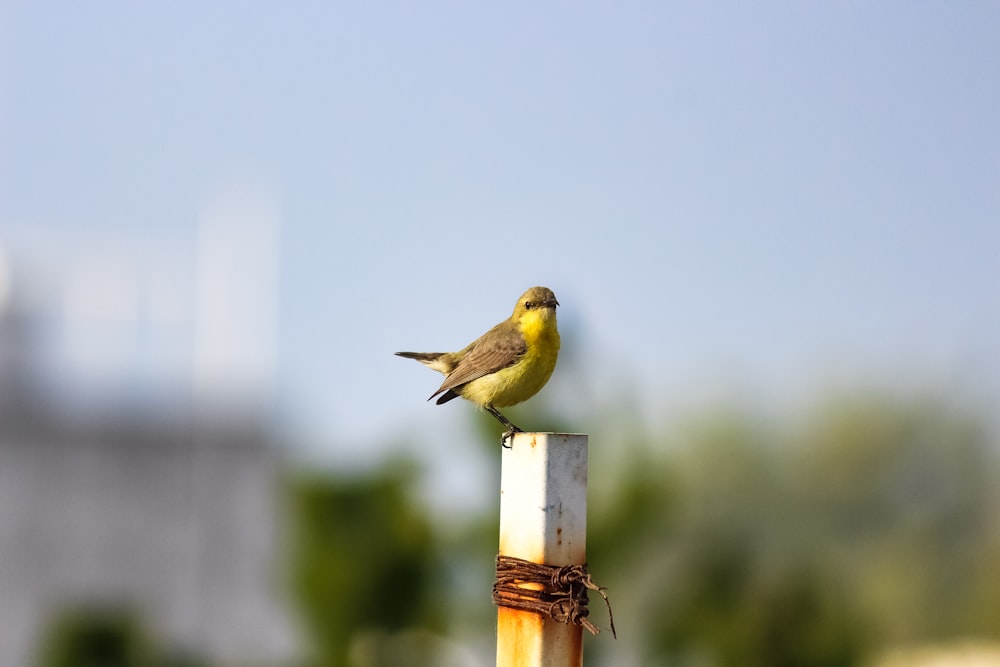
(170, 513)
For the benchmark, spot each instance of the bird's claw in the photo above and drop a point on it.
(509, 435)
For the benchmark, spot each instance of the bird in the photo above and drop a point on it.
(505, 366)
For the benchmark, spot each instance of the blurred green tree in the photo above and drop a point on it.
(105, 636)
(363, 565)
(96, 637)
(735, 542)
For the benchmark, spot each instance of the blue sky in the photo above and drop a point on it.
(761, 199)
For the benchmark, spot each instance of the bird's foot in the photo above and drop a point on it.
(509, 435)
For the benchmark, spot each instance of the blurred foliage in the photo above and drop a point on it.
(94, 636)
(873, 523)
(363, 562)
(725, 540)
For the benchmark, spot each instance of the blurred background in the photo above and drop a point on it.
(774, 230)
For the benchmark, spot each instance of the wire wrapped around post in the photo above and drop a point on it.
(559, 592)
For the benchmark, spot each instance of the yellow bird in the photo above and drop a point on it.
(506, 365)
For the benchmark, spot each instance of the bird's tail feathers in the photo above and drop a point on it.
(423, 357)
(445, 397)
(440, 361)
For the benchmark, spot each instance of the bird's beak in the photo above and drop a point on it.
(550, 303)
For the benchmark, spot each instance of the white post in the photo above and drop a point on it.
(543, 519)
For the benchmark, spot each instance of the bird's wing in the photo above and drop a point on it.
(489, 354)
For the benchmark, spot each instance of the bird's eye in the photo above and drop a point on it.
(529, 304)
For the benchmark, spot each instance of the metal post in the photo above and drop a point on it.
(543, 519)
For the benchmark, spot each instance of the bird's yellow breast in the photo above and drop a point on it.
(522, 380)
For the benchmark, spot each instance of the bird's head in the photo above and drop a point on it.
(538, 303)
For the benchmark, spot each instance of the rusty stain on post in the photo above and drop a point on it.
(543, 519)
